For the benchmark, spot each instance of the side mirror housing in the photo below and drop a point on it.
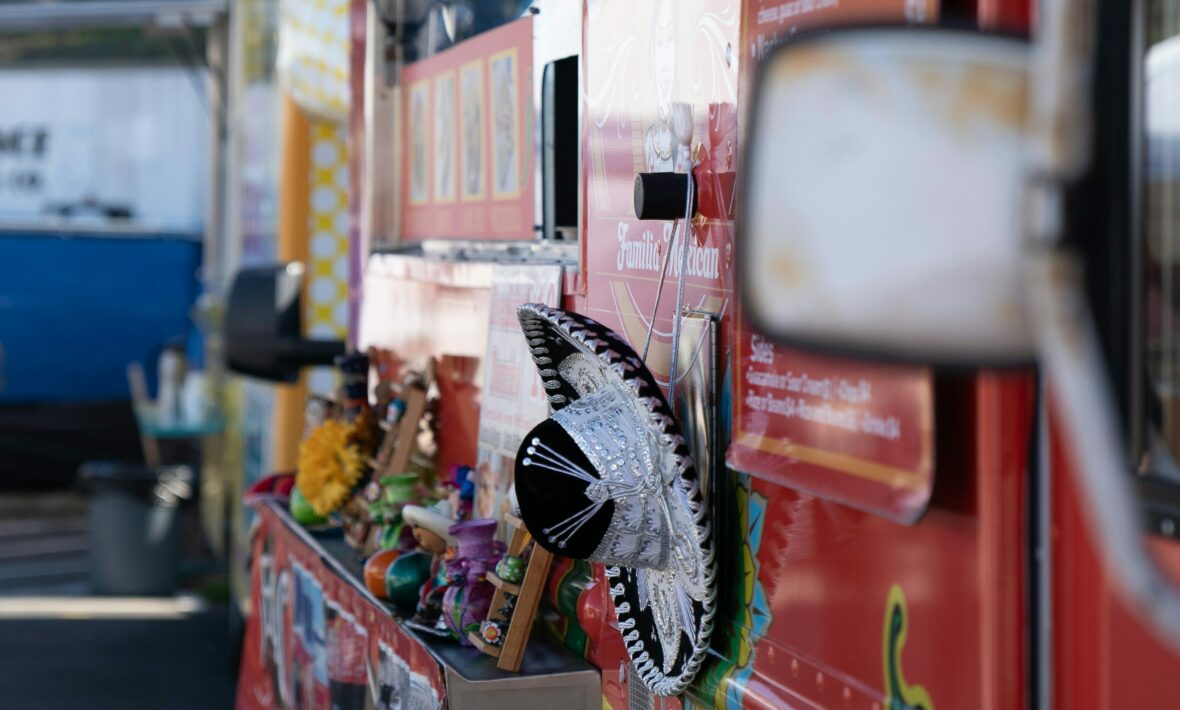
(886, 186)
(264, 325)
(883, 193)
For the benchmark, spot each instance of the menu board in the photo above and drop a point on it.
(857, 432)
(513, 400)
(468, 167)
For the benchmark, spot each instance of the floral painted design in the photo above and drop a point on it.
(722, 683)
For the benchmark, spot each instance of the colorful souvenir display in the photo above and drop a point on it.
(354, 465)
(469, 594)
(608, 478)
(513, 616)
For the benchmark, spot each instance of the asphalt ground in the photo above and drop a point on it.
(121, 662)
(43, 544)
(60, 647)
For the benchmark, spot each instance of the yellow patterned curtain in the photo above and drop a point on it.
(313, 55)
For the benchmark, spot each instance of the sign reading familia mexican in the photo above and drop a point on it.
(663, 86)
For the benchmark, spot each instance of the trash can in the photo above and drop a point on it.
(134, 526)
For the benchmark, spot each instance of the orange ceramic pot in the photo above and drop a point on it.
(375, 570)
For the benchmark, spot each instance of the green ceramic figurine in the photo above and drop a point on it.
(386, 511)
(510, 569)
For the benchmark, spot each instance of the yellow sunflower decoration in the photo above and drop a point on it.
(330, 465)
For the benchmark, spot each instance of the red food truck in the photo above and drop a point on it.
(919, 288)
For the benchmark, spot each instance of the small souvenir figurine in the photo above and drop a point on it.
(466, 495)
(394, 412)
(354, 383)
(455, 485)
(386, 511)
(375, 568)
(405, 578)
(458, 485)
(430, 528)
(355, 520)
(510, 569)
(469, 595)
(492, 632)
(316, 411)
(505, 611)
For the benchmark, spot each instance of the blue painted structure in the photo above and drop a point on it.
(76, 309)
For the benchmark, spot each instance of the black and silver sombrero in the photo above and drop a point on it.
(608, 478)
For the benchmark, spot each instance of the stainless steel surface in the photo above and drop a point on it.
(696, 395)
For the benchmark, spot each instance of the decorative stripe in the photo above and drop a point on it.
(861, 468)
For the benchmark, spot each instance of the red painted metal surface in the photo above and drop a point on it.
(850, 431)
(822, 605)
(1105, 656)
(1003, 432)
(316, 638)
(1005, 15)
(808, 585)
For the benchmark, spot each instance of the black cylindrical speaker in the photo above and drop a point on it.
(662, 195)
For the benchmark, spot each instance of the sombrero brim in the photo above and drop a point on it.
(431, 520)
(553, 337)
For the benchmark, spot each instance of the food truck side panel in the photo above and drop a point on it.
(821, 605)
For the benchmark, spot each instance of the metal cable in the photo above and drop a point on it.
(684, 226)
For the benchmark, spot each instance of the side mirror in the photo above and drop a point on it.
(884, 185)
(264, 325)
(882, 191)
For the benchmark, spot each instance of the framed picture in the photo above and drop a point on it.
(444, 138)
(419, 155)
(472, 131)
(505, 125)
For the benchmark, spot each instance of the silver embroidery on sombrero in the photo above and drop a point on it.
(653, 529)
(594, 346)
(581, 374)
